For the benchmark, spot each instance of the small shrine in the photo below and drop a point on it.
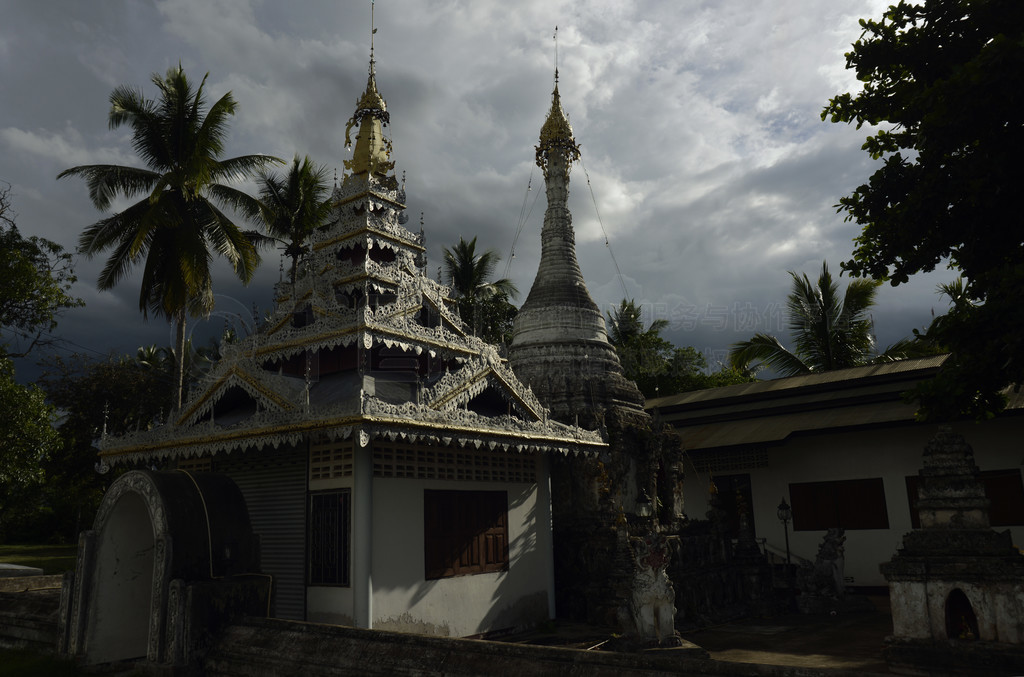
(956, 586)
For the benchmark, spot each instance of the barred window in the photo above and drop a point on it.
(329, 537)
(464, 532)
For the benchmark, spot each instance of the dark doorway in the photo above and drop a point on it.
(735, 499)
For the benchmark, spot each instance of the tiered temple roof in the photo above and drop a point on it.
(363, 343)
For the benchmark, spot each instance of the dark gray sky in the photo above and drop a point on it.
(710, 167)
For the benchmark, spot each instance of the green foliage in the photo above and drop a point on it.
(27, 442)
(294, 205)
(173, 229)
(484, 305)
(944, 77)
(116, 395)
(35, 280)
(656, 366)
(830, 330)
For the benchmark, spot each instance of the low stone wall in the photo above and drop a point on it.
(272, 648)
(28, 620)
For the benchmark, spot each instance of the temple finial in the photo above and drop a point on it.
(555, 38)
(372, 149)
(373, 31)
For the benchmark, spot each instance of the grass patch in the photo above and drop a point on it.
(52, 559)
(19, 663)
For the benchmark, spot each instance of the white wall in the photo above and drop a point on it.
(890, 453)
(460, 605)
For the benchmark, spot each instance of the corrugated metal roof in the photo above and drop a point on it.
(768, 412)
(779, 385)
(775, 428)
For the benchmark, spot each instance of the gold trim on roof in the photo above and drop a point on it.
(216, 389)
(445, 430)
(556, 136)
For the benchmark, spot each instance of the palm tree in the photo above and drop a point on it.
(830, 330)
(294, 205)
(173, 228)
(625, 325)
(479, 299)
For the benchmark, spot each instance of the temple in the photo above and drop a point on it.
(393, 467)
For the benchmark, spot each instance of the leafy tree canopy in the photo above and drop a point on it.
(116, 394)
(657, 366)
(943, 78)
(27, 440)
(35, 280)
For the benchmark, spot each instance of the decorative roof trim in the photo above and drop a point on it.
(233, 376)
(208, 439)
(369, 193)
(369, 230)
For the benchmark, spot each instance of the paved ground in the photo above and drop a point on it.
(852, 641)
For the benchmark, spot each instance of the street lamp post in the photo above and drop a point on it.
(785, 514)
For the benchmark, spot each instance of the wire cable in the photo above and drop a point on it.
(607, 243)
(524, 217)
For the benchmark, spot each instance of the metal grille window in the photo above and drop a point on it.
(329, 537)
(464, 532)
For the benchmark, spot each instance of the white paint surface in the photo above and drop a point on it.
(889, 453)
(403, 600)
(122, 595)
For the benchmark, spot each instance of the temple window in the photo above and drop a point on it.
(329, 537)
(843, 504)
(464, 532)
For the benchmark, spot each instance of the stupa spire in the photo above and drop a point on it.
(559, 342)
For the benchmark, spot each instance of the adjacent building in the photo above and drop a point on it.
(842, 448)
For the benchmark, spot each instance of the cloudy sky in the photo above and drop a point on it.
(711, 170)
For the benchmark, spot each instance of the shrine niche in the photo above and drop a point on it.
(157, 538)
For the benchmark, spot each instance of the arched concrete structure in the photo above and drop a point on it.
(155, 534)
(123, 599)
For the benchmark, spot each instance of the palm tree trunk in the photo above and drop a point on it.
(179, 364)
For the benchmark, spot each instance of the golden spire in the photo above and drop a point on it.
(372, 149)
(556, 135)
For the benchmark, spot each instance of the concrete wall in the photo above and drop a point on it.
(890, 453)
(402, 600)
(462, 605)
